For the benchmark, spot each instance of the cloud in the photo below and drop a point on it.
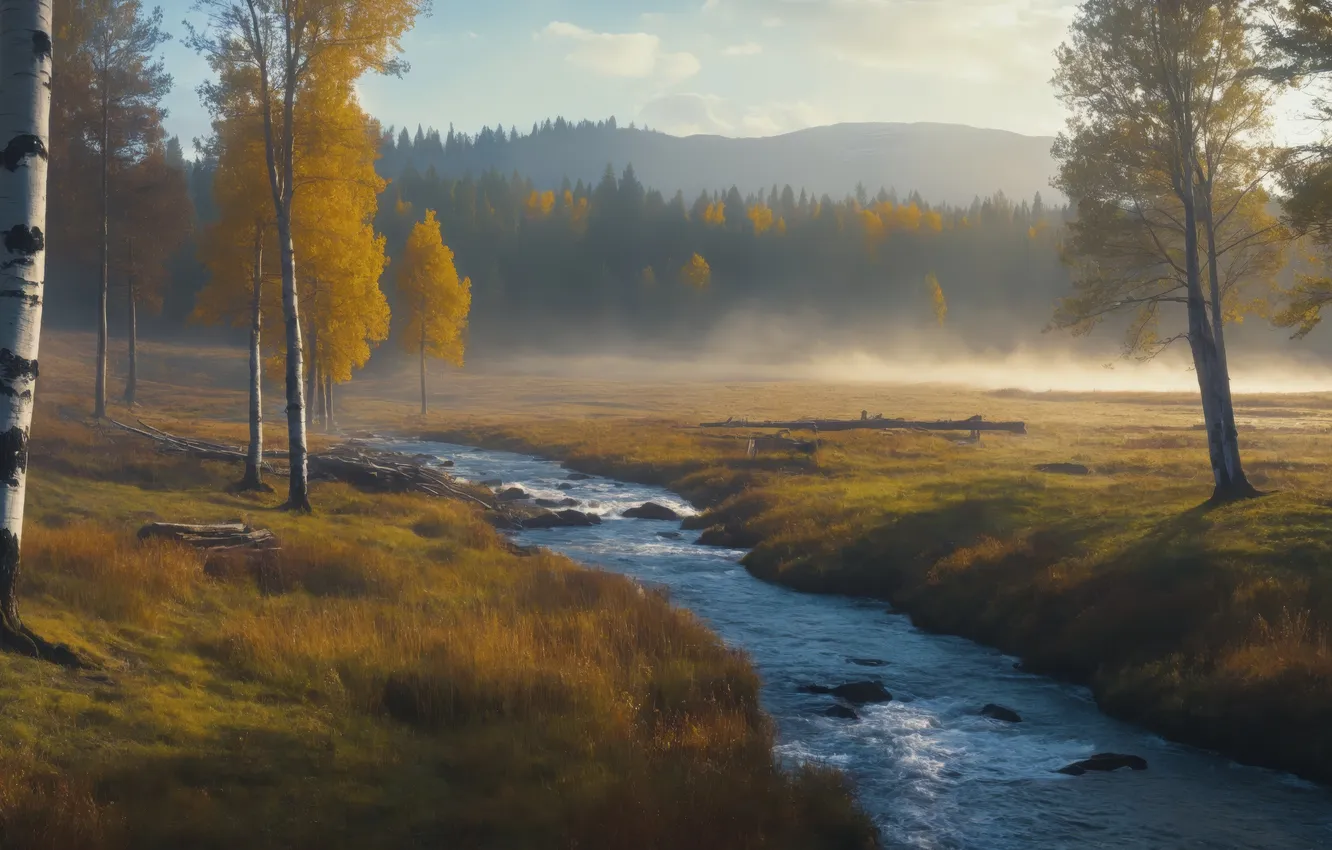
(978, 39)
(635, 55)
(749, 48)
(692, 113)
(773, 23)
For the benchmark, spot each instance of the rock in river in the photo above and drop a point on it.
(841, 712)
(513, 494)
(867, 662)
(565, 486)
(557, 503)
(857, 693)
(1104, 762)
(669, 535)
(999, 712)
(651, 510)
(562, 519)
(577, 476)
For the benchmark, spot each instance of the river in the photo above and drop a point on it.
(931, 771)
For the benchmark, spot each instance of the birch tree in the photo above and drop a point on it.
(25, 103)
(1299, 35)
(1165, 155)
(277, 47)
(233, 249)
(437, 301)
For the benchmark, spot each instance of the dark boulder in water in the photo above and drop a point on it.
(841, 712)
(999, 712)
(669, 535)
(492, 483)
(565, 486)
(577, 476)
(513, 494)
(867, 662)
(651, 510)
(557, 503)
(562, 519)
(1104, 762)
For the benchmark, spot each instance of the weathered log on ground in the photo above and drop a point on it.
(975, 424)
(221, 537)
(360, 466)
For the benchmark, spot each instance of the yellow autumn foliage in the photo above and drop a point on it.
(437, 301)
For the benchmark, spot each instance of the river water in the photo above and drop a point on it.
(931, 771)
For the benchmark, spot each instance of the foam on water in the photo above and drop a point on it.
(933, 772)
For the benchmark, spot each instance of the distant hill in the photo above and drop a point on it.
(948, 163)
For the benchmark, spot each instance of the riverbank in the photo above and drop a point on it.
(398, 676)
(1206, 624)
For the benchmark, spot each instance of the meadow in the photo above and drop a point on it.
(1208, 623)
(398, 676)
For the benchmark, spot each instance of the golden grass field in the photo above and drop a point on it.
(536, 688)
(397, 677)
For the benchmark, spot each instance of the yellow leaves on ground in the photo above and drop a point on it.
(697, 273)
(437, 300)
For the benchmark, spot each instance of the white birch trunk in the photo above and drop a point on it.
(25, 107)
(254, 457)
(99, 391)
(132, 329)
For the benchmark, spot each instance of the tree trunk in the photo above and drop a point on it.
(423, 382)
(313, 390)
(298, 488)
(254, 457)
(1239, 486)
(1201, 341)
(99, 403)
(132, 329)
(25, 101)
(329, 424)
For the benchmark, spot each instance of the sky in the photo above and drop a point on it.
(730, 67)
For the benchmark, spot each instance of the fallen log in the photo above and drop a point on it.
(390, 472)
(974, 425)
(221, 537)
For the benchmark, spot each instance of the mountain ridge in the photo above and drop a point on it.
(944, 163)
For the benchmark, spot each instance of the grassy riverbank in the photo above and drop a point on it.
(1208, 624)
(398, 677)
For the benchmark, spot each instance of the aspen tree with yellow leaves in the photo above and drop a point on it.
(273, 51)
(438, 302)
(697, 273)
(233, 250)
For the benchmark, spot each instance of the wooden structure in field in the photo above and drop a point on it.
(975, 425)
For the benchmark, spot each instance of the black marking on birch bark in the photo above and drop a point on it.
(13, 455)
(41, 44)
(23, 240)
(15, 263)
(13, 367)
(32, 298)
(9, 392)
(20, 148)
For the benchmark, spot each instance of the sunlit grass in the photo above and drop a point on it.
(1209, 622)
(397, 676)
